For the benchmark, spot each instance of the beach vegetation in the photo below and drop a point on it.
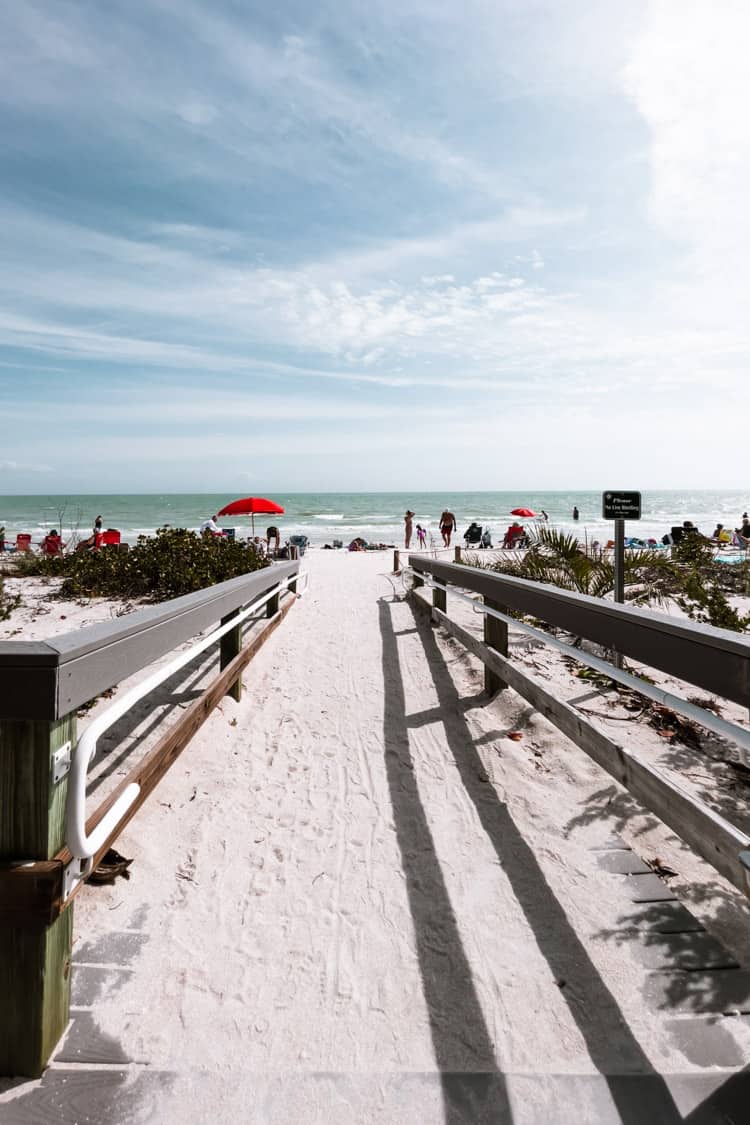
(170, 563)
(560, 560)
(8, 602)
(690, 577)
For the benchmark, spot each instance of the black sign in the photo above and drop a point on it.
(621, 505)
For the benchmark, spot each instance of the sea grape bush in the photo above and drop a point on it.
(8, 602)
(166, 565)
(691, 577)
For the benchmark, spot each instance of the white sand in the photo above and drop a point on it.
(353, 880)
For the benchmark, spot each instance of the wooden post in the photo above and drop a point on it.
(272, 605)
(418, 581)
(229, 647)
(439, 599)
(495, 636)
(457, 553)
(34, 958)
(396, 562)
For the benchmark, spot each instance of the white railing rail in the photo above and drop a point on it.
(82, 846)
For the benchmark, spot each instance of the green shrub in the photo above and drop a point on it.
(8, 602)
(166, 565)
(691, 577)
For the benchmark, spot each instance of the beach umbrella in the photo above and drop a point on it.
(252, 506)
(525, 512)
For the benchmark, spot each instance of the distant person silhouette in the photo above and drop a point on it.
(576, 513)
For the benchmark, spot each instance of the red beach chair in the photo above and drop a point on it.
(108, 538)
(23, 542)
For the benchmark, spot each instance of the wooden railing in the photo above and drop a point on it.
(713, 659)
(42, 685)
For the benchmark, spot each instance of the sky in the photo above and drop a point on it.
(370, 246)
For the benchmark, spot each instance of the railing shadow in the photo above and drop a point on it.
(472, 1086)
(612, 1046)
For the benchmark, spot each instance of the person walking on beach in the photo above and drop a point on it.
(576, 513)
(421, 536)
(545, 517)
(447, 526)
(409, 516)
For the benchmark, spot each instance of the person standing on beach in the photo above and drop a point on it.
(421, 536)
(545, 517)
(576, 513)
(408, 517)
(97, 526)
(447, 526)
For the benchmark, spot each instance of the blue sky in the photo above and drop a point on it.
(374, 245)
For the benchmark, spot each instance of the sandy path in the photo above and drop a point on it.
(355, 900)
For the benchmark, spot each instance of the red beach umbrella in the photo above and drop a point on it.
(252, 506)
(525, 512)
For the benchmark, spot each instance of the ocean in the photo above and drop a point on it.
(375, 516)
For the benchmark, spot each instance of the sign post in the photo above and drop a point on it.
(619, 506)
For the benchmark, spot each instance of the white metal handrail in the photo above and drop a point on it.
(726, 730)
(82, 846)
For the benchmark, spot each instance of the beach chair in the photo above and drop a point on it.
(109, 538)
(300, 542)
(23, 542)
(473, 535)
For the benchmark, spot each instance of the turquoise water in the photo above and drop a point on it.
(376, 516)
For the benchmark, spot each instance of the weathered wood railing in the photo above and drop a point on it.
(42, 685)
(713, 659)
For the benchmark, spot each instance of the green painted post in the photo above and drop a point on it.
(495, 636)
(229, 647)
(34, 958)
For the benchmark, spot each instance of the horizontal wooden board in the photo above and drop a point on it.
(709, 834)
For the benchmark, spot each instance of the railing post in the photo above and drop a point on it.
(230, 646)
(418, 581)
(272, 605)
(495, 636)
(34, 957)
(457, 553)
(439, 599)
(396, 562)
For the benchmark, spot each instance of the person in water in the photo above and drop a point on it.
(576, 513)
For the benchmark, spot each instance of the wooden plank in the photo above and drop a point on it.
(35, 959)
(496, 637)
(709, 834)
(230, 646)
(439, 599)
(715, 659)
(46, 679)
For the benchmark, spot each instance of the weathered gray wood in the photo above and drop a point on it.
(714, 659)
(396, 563)
(699, 826)
(496, 636)
(47, 679)
(439, 599)
(229, 647)
(457, 553)
(34, 958)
